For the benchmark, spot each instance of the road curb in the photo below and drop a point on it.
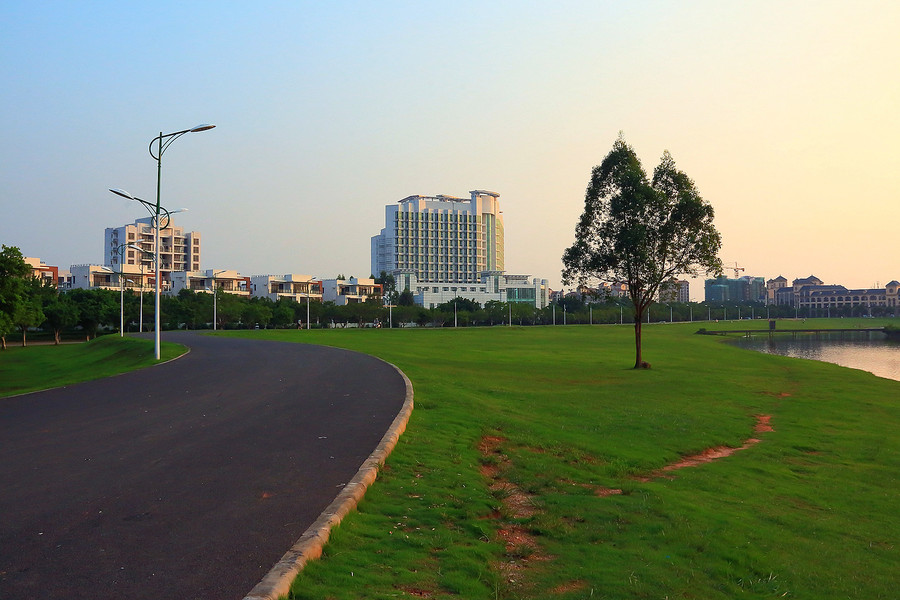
(277, 582)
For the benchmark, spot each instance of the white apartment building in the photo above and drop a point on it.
(301, 288)
(89, 277)
(178, 251)
(491, 286)
(226, 280)
(441, 238)
(352, 291)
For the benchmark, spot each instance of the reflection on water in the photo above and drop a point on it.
(870, 352)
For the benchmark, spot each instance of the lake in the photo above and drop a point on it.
(870, 352)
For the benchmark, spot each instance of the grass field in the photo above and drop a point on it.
(531, 469)
(40, 367)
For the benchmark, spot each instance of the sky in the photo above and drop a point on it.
(784, 113)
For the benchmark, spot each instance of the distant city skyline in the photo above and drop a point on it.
(783, 113)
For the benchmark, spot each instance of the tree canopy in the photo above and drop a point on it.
(641, 232)
(14, 300)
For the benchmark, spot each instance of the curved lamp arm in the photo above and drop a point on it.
(151, 207)
(162, 146)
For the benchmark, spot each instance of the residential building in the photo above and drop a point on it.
(352, 291)
(772, 287)
(226, 280)
(301, 288)
(90, 276)
(741, 289)
(40, 270)
(825, 297)
(178, 251)
(676, 290)
(441, 238)
(491, 286)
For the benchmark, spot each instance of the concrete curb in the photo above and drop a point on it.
(277, 582)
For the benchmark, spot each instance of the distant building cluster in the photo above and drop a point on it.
(436, 247)
(803, 293)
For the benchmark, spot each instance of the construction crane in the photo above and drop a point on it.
(736, 269)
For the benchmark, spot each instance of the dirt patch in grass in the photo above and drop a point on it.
(521, 546)
(415, 592)
(569, 586)
(598, 490)
(763, 424)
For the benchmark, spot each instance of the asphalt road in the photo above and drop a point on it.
(187, 480)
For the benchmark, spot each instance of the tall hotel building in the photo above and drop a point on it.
(178, 251)
(441, 238)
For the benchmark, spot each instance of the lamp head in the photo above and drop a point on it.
(122, 193)
(202, 127)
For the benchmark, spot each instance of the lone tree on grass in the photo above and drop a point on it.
(641, 232)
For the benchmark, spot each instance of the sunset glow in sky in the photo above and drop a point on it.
(785, 114)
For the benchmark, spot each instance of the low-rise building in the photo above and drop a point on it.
(351, 291)
(225, 280)
(42, 271)
(492, 286)
(91, 276)
(301, 288)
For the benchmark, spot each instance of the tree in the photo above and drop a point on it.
(60, 312)
(641, 232)
(95, 309)
(257, 311)
(406, 298)
(28, 311)
(285, 312)
(388, 287)
(229, 309)
(13, 273)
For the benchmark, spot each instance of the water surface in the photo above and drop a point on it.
(868, 351)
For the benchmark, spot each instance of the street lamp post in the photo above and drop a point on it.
(162, 142)
(122, 296)
(121, 275)
(215, 295)
(154, 215)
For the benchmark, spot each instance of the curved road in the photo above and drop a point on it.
(186, 480)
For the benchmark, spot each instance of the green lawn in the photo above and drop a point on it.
(40, 367)
(498, 488)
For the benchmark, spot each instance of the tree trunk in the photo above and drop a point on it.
(638, 360)
(56, 337)
(24, 334)
(3, 341)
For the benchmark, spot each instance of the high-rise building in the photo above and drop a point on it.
(178, 251)
(441, 238)
(743, 289)
(675, 290)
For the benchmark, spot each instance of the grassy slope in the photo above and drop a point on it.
(41, 367)
(808, 513)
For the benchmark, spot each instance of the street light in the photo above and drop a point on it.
(154, 211)
(215, 295)
(122, 299)
(162, 142)
(122, 280)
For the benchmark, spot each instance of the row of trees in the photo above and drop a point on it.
(27, 303)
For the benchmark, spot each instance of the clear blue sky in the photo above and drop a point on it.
(784, 113)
